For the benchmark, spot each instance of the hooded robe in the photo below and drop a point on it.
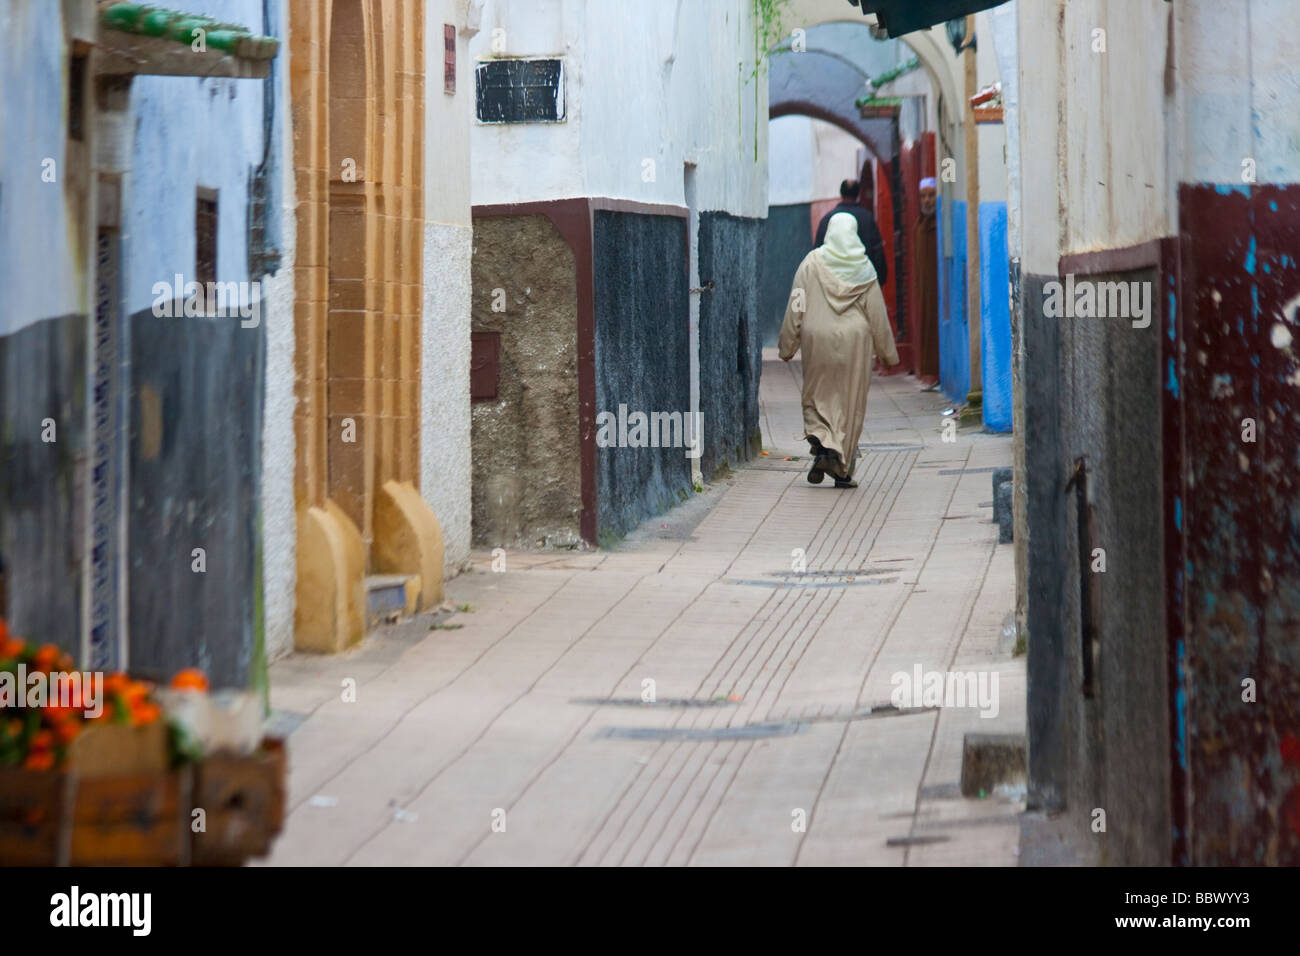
(925, 292)
(841, 328)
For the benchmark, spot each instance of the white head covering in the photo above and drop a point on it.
(843, 253)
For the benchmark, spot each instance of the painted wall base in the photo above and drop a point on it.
(42, 376)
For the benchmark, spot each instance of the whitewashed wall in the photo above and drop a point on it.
(1110, 184)
(1002, 24)
(1114, 103)
(1127, 143)
(184, 133)
(41, 274)
(807, 160)
(445, 329)
(1238, 93)
(649, 87)
(279, 520)
(992, 136)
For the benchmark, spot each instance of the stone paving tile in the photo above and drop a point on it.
(499, 710)
(870, 794)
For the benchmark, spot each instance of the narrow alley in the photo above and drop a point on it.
(673, 433)
(772, 687)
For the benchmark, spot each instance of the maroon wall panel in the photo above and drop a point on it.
(1239, 512)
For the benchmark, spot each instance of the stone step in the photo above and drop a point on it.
(390, 597)
(992, 759)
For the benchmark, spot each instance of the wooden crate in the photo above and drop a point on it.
(58, 817)
(243, 800)
(33, 805)
(139, 819)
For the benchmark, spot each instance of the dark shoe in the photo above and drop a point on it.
(845, 483)
(818, 471)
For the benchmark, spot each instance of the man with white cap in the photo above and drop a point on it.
(925, 284)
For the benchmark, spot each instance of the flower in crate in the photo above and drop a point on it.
(37, 731)
(46, 658)
(188, 708)
(12, 650)
(129, 701)
(41, 753)
(190, 679)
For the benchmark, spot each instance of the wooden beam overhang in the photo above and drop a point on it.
(136, 39)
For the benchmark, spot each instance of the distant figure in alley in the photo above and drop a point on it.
(836, 316)
(925, 283)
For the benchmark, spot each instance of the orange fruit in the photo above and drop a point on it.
(190, 679)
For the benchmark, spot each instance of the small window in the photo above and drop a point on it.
(484, 365)
(448, 58)
(205, 239)
(520, 91)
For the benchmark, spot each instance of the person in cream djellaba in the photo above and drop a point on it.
(836, 317)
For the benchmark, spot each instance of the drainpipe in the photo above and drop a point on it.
(975, 398)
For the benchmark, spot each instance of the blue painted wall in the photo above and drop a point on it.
(995, 317)
(995, 310)
(954, 332)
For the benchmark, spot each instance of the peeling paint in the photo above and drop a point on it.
(1241, 515)
(1289, 309)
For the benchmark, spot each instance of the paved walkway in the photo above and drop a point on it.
(527, 715)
